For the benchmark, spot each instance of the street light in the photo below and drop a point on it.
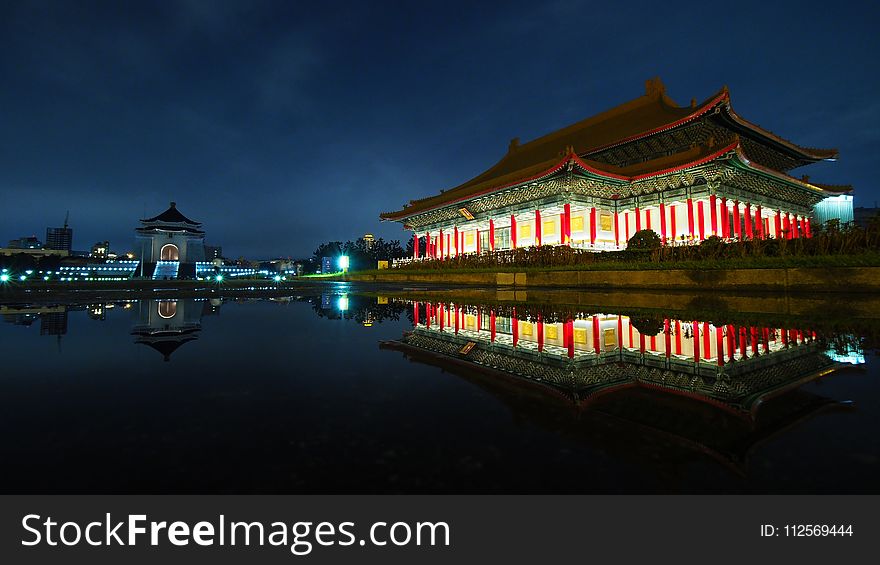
(4, 277)
(343, 263)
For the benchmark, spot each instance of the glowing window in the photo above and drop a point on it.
(168, 309)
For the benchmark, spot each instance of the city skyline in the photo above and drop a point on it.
(280, 128)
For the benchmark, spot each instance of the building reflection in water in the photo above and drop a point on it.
(165, 325)
(654, 385)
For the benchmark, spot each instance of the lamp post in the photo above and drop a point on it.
(343, 263)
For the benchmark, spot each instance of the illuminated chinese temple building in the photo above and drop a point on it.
(685, 172)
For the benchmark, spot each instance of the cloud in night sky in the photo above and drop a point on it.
(283, 124)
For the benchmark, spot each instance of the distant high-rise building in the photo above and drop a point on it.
(368, 240)
(60, 238)
(26, 242)
(100, 250)
(213, 252)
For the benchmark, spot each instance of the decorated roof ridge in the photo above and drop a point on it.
(657, 109)
(548, 168)
(837, 188)
(698, 110)
(740, 153)
(813, 152)
(172, 216)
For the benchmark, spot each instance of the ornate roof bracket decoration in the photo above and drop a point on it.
(575, 179)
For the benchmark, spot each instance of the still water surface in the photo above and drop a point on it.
(340, 392)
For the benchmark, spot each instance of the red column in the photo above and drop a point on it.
(765, 339)
(786, 226)
(479, 318)
(593, 226)
(514, 325)
(478, 242)
(759, 222)
(638, 219)
(540, 334)
(626, 221)
(696, 326)
(455, 312)
(569, 331)
(566, 225)
(731, 341)
(491, 235)
(537, 227)
(743, 348)
(415, 245)
(754, 334)
(690, 205)
(707, 341)
(719, 346)
(513, 231)
(620, 332)
(725, 221)
(441, 316)
(663, 223)
(415, 314)
(667, 337)
(701, 220)
(747, 220)
(807, 230)
(778, 224)
(713, 214)
(456, 240)
(596, 334)
(672, 222)
(737, 228)
(492, 325)
(800, 224)
(428, 309)
(440, 241)
(648, 219)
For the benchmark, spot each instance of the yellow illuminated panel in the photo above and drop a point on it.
(610, 338)
(381, 300)
(469, 239)
(551, 332)
(580, 335)
(470, 321)
(605, 222)
(549, 227)
(525, 231)
(577, 223)
(526, 328)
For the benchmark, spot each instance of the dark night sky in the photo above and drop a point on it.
(283, 125)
